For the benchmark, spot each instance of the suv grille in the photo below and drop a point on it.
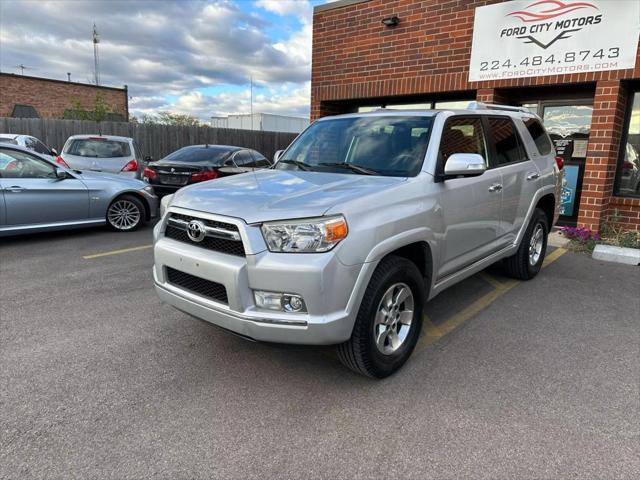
(223, 245)
(197, 285)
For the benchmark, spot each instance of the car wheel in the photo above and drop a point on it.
(389, 320)
(125, 214)
(527, 261)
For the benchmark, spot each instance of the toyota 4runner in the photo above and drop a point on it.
(362, 219)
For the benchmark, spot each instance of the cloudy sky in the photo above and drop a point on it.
(183, 56)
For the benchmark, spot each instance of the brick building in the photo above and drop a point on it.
(421, 56)
(25, 96)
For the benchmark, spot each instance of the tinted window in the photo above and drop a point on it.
(462, 135)
(98, 148)
(243, 159)
(384, 145)
(211, 154)
(259, 160)
(22, 165)
(41, 148)
(507, 144)
(540, 137)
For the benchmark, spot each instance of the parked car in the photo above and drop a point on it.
(103, 153)
(30, 143)
(198, 163)
(363, 219)
(37, 195)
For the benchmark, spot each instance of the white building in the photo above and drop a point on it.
(261, 121)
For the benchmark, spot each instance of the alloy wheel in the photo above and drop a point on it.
(394, 316)
(123, 215)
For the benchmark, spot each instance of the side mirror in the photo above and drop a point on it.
(276, 156)
(60, 173)
(54, 152)
(228, 163)
(464, 165)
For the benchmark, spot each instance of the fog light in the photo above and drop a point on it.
(281, 302)
(293, 303)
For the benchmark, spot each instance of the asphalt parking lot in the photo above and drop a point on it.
(510, 380)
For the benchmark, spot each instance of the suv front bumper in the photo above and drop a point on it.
(327, 286)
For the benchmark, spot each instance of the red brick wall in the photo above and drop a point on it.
(356, 57)
(51, 98)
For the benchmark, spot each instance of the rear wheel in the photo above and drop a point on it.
(389, 320)
(527, 261)
(125, 214)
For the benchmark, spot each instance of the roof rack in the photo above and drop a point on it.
(493, 106)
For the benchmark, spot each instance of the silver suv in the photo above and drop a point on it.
(363, 219)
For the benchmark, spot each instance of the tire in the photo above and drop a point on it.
(527, 261)
(130, 221)
(361, 353)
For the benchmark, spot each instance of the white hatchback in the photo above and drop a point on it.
(103, 153)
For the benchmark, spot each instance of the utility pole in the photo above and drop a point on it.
(96, 59)
(22, 68)
(251, 79)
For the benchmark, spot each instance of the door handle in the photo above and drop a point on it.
(495, 187)
(533, 176)
(14, 189)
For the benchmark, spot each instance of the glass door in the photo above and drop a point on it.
(569, 124)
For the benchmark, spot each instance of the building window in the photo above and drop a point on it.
(628, 183)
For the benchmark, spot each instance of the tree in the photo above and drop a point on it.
(98, 113)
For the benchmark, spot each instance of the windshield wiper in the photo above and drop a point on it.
(352, 167)
(297, 163)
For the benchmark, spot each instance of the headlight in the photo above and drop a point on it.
(164, 204)
(305, 236)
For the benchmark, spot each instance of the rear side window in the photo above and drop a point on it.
(462, 135)
(508, 146)
(540, 137)
(98, 148)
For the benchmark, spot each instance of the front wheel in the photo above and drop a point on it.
(389, 320)
(527, 261)
(125, 214)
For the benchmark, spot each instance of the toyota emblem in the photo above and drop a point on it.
(196, 231)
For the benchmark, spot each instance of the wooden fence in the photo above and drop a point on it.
(154, 140)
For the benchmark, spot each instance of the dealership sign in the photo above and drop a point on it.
(529, 38)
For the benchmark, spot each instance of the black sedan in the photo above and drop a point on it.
(198, 163)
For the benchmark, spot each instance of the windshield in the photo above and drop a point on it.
(211, 155)
(98, 148)
(368, 145)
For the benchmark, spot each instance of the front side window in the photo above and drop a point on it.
(628, 183)
(98, 148)
(539, 135)
(368, 145)
(15, 164)
(462, 135)
(508, 148)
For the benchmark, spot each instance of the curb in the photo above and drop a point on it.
(608, 253)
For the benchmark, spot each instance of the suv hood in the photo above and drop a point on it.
(268, 195)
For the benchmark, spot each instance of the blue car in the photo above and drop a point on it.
(39, 195)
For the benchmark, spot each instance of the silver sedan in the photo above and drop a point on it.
(38, 195)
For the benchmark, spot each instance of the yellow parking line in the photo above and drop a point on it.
(433, 333)
(553, 256)
(116, 252)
